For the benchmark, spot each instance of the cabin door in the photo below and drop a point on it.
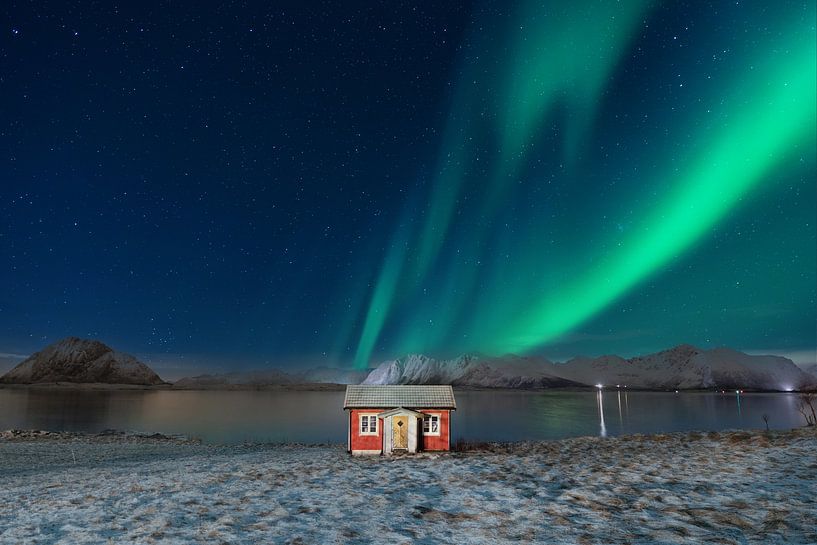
(400, 432)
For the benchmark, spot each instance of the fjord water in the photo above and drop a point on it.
(317, 417)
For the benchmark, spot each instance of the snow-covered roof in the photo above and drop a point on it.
(366, 396)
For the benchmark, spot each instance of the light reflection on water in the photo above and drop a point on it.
(314, 417)
(602, 427)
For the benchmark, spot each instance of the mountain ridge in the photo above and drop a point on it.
(81, 361)
(682, 367)
(271, 377)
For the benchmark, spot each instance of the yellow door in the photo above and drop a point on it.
(400, 432)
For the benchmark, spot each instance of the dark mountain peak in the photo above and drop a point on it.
(78, 360)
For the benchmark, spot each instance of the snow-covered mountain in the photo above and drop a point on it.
(685, 367)
(226, 380)
(682, 367)
(810, 368)
(272, 377)
(9, 361)
(469, 371)
(81, 361)
(736, 369)
(332, 375)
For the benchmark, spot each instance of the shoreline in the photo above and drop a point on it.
(334, 387)
(458, 448)
(132, 436)
(687, 487)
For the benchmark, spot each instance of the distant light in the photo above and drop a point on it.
(599, 386)
(788, 389)
(676, 391)
(618, 386)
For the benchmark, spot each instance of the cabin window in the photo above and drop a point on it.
(431, 424)
(368, 424)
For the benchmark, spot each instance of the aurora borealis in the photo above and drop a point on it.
(352, 183)
(761, 120)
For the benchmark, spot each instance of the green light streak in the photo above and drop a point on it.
(382, 300)
(760, 134)
(561, 57)
(457, 150)
(558, 55)
(477, 301)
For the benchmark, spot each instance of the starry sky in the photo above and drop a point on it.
(339, 183)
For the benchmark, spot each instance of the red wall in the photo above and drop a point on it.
(365, 442)
(375, 442)
(433, 442)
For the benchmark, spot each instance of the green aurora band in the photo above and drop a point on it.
(761, 134)
(768, 117)
(381, 302)
(549, 70)
(536, 84)
(548, 67)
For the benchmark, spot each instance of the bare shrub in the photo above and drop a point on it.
(805, 405)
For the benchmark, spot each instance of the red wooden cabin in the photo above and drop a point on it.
(391, 419)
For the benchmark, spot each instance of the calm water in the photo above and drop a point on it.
(317, 416)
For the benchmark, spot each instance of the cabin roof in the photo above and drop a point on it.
(365, 396)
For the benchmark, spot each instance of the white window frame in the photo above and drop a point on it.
(370, 418)
(429, 417)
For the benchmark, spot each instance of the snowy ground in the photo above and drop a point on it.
(733, 487)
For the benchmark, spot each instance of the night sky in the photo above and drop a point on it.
(336, 184)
